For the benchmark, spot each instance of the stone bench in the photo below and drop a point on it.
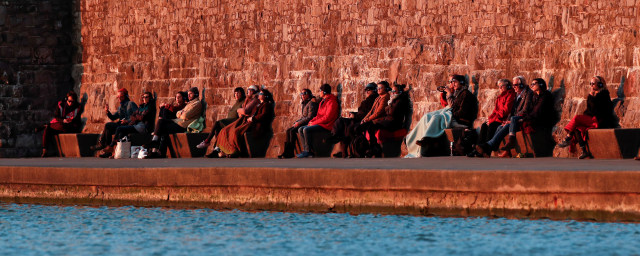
(76, 144)
(183, 145)
(537, 144)
(79, 144)
(256, 147)
(614, 143)
(318, 146)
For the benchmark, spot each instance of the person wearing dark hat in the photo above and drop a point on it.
(191, 112)
(121, 117)
(345, 126)
(328, 112)
(309, 110)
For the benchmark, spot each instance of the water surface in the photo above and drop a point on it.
(55, 230)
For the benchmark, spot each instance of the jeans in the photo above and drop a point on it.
(501, 132)
(306, 132)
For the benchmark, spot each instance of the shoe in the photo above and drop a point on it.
(586, 155)
(506, 154)
(213, 154)
(105, 155)
(511, 143)
(304, 154)
(566, 142)
(474, 153)
(483, 150)
(44, 152)
(637, 158)
(203, 144)
(287, 152)
(337, 155)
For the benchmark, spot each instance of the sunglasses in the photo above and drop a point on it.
(534, 83)
(453, 81)
(592, 83)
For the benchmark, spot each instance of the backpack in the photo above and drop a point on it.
(358, 146)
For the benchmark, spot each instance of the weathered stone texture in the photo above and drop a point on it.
(36, 55)
(166, 46)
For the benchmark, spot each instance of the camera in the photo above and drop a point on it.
(441, 88)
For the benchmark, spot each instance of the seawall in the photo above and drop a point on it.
(608, 191)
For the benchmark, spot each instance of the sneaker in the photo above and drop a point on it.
(304, 154)
(203, 144)
(565, 143)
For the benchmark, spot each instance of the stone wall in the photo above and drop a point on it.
(166, 46)
(36, 55)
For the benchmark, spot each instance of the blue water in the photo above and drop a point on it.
(54, 230)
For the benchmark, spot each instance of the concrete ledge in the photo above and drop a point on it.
(581, 195)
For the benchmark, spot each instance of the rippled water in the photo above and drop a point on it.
(54, 230)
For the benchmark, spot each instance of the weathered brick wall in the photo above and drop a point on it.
(36, 56)
(166, 46)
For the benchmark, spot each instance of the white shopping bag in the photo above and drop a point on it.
(123, 149)
(135, 150)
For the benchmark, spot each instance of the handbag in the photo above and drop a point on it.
(123, 149)
(135, 150)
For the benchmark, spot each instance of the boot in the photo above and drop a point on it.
(484, 150)
(585, 153)
(287, 152)
(511, 143)
(566, 142)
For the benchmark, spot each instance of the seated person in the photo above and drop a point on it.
(141, 122)
(191, 112)
(393, 119)
(598, 115)
(344, 127)
(309, 110)
(66, 119)
(500, 114)
(232, 115)
(258, 124)
(377, 112)
(461, 111)
(125, 110)
(541, 115)
(169, 110)
(328, 112)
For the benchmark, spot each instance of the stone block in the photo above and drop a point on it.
(614, 143)
(183, 145)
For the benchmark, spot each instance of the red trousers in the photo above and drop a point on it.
(581, 123)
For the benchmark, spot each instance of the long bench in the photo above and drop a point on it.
(614, 143)
(537, 144)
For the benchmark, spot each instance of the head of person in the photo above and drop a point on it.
(193, 93)
(147, 97)
(123, 95)
(383, 87)
(265, 95)
(181, 97)
(306, 94)
(398, 88)
(238, 93)
(325, 89)
(72, 98)
(519, 83)
(457, 82)
(504, 85)
(252, 90)
(538, 85)
(597, 83)
(370, 88)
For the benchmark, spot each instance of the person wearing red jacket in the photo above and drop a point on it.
(327, 114)
(501, 112)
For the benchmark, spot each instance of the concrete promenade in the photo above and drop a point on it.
(602, 190)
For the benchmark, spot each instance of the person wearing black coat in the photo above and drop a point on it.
(599, 114)
(309, 106)
(345, 126)
(395, 112)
